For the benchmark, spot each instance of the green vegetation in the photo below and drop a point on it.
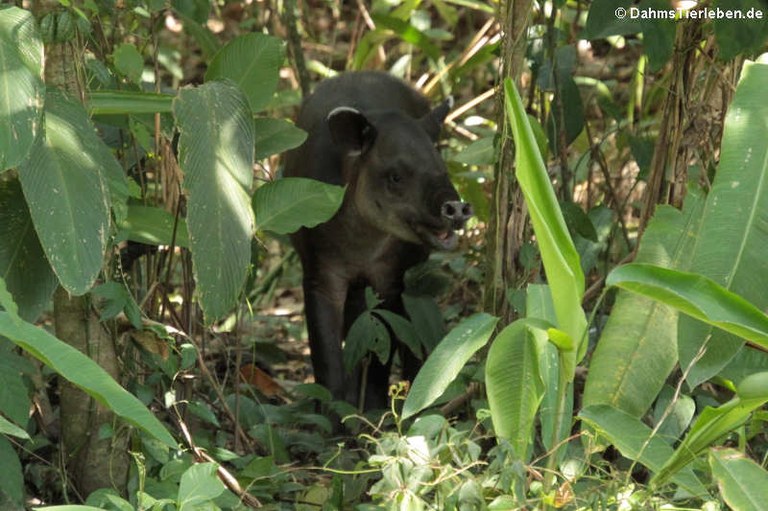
(599, 340)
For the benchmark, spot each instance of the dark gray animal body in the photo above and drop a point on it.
(376, 135)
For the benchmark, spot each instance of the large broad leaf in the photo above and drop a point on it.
(449, 357)
(23, 265)
(697, 296)
(286, 205)
(638, 346)
(558, 253)
(714, 423)
(216, 154)
(731, 247)
(515, 387)
(633, 439)
(21, 85)
(67, 192)
(743, 483)
(111, 102)
(608, 18)
(252, 61)
(82, 372)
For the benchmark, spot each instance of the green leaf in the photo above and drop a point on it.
(216, 155)
(15, 370)
(711, 425)
(403, 330)
(199, 484)
(129, 62)
(658, 34)
(275, 136)
(561, 261)
(251, 61)
(637, 349)
(449, 357)
(730, 248)
(697, 296)
(743, 36)
(21, 85)
(67, 193)
(285, 205)
(602, 20)
(153, 226)
(479, 152)
(9, 428)
(408, 33)
(84, 373)
(23, 266)
(367, 334)
(633, 439)
(743, 483)
(112, 102)
(515, 387)
(12, 482)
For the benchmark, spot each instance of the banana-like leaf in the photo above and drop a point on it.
(21, 85)
(627, 371)
(216, 155)
(743, 483)
(514, 383)
(633, 440)
(114, 102)
(153, 226)
(697, 296)
(731, 247)
(714, 423)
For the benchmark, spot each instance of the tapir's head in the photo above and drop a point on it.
(396, 177)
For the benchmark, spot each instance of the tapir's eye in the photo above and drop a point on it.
(395, 178)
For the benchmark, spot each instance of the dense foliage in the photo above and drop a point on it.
(597, 342)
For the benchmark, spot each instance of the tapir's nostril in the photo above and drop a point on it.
(456, 211)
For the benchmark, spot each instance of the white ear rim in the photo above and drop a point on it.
(342, 109)
(450, 102)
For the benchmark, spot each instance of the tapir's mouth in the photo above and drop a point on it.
(443, 240)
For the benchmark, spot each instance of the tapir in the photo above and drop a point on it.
(376, 135)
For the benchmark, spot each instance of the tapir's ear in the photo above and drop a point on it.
(350, 130)
(433, 121)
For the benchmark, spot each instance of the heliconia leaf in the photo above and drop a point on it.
(628, 371)
(558, 253)
(743, 483)
(153, 226)
(67, 193)
(697, 296)
(285, 205)
(514, 384)
(633, 439)
(731, 246)
(216, 155)
(21, 85)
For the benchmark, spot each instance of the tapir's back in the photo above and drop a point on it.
(364, 91)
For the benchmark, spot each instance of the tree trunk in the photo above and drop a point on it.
(93, 460)
(507, 226)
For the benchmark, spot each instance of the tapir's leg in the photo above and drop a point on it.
(324, 298)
